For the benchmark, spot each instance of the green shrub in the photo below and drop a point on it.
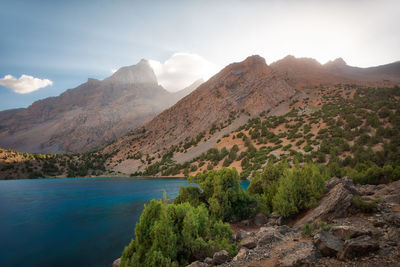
(299, 189)
(364, 205)
(175, 235)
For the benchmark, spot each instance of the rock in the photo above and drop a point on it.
(366, 190)
(392, 219)
(358, 246)
(346, 181)
(303, 254)
(328, 244)
(241, 234)
(345, 232)
(220, 257)
(249, 242)
(208, 260)
(280, 221)
(116, 263)
(284, 229)
(260, 219)
(197, 264)
(268, 235)
(333, 205)
(241, 254)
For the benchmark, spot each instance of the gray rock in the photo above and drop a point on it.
(328, 244)
(117, 262)
(284, 229)
(260, 219)
(346, 181)
(358, 246)
(280, 221)
(241, 234)
(208, 260)
(220, 257)
(392, 219)
(268, 235)
(345, 232)
(333, 205)
(304, 254)
(197, 264)
(249, 242)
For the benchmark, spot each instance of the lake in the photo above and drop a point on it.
(73, 221)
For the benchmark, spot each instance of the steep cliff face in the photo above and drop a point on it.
(88, 116)
(248, 87)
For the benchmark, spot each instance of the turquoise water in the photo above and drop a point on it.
(74, 221)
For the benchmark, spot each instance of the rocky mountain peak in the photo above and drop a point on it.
(339, 62)
(141, 73)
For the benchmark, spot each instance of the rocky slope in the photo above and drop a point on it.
(335, 237)
(90, 115)
(239, 92)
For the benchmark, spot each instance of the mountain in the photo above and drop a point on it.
(239, 92)
(306, 72)
(88, 116)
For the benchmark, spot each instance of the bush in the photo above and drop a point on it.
(364, 205)
(175, 235)
(223, 195)
(299, 189)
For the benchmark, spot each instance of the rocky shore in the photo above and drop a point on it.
(338, 232)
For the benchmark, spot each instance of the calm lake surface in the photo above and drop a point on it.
(73, 221)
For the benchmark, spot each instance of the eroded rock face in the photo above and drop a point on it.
(328, 244)
(358, 246)
(333, 205)
(220, 257)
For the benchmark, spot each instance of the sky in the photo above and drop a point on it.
(49, 46)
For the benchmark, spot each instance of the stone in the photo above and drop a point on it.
(241, 254)
(249, 242)
(220, 257)
(303, 254)
(345, 231)
(333, 205)
(328, 244)
(280, 221)
(245, 223)
(357, 247)
(197, 264)
(284, 229)
(260, 219)
(268, 235)
(208, 260)
(392, 219)
(241, 234)
(117, 262)
(346, 181)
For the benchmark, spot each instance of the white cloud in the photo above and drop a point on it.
(25, 84)
(181, 70)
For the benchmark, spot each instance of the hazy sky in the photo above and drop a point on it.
(49, 46)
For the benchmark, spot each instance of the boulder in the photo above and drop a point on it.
(333, 205)
(346, 181)
(249, 242)
(260, 219)
(268, 235)
(116, 263)
(328, 244)
(358, 246)
(284, 229)
(197, 264)
(241, 234)
(241, 254)
(304, 254)
(345, 231)
(220, 257)
(208, 260)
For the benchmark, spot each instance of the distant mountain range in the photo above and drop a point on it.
(90, 115)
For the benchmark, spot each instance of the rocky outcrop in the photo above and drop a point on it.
(249, 242)
(358, 246)
(302, 254)
(268, 235)
(346, 231)
(220, 257)
(333, 205)
(328, 244)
